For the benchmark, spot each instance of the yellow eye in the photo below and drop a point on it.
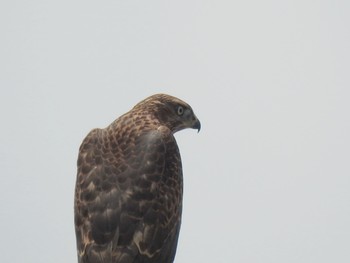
(180, 110)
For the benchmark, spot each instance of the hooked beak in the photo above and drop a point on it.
(197, 125)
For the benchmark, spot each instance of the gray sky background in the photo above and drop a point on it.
(268, 177)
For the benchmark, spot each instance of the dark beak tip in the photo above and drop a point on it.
(197, 126)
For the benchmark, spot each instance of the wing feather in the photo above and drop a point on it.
(126, 208)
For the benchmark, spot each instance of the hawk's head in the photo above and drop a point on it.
(170, 111)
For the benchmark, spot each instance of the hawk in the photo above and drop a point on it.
(128, 193)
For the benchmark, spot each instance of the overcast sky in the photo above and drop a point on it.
(267, 180)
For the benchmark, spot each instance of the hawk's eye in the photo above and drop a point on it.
(180, 110)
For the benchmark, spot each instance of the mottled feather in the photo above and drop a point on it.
(128, 195)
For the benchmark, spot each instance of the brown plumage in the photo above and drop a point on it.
(128, 195)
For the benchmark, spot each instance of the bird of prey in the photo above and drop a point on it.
(128, 194)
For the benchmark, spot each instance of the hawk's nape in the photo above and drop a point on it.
(128, 194)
